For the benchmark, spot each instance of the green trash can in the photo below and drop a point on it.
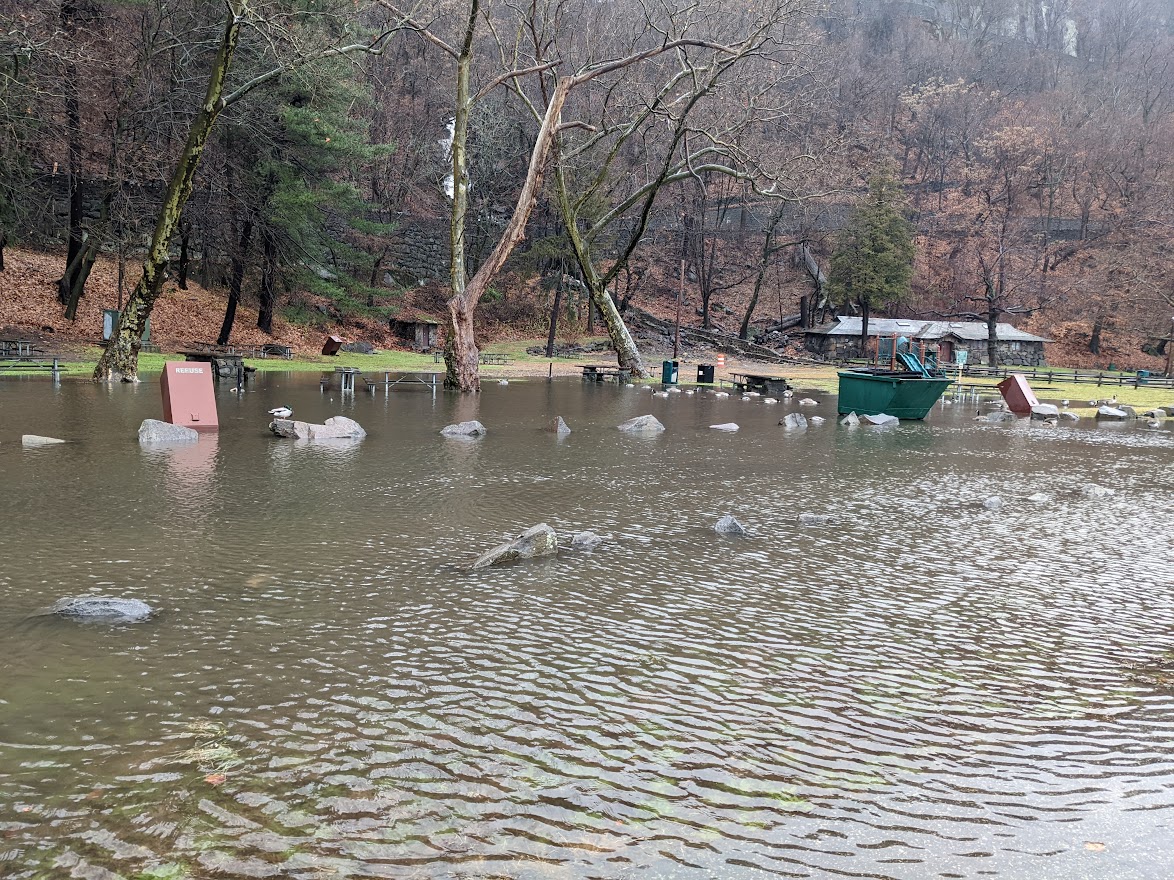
(668, 372)
(1143, 377)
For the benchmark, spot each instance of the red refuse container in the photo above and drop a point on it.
(332, 345)
(1018, 394)
(189, 397)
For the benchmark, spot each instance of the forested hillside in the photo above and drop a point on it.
(290, 154)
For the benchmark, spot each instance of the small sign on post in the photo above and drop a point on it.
(189, 398)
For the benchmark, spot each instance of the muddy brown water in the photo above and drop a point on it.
(921, 687)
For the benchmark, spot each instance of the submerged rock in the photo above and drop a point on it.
(813, 519)
(1069, 416)
(999, 416)
(880, 419)
(558, 426)
(726, 426)
(464, 429)
(1040, 497)
(1092, 490)
(994, 502)
(807, 401)
(817, 420)
(35, 440)
(641, 423)
(1042, 411)
(335, 428)
(539, 540)
(102, 609)
(155, 431)
(728, 525)
(851, 420)
(794, 421)
(586, 541)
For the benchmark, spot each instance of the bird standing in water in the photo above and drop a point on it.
(281, 412)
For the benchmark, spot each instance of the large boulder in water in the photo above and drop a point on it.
(794, 421)
(464, 429)
(335, 428)
(155, 431)
(102, 609)
(539, 540)
(641, 424)
(1111, 414)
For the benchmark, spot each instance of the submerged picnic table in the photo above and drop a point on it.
(26, 354)
(760, 383)
(600, 372)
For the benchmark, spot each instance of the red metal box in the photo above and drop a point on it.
(189, 398)
(1018, 394)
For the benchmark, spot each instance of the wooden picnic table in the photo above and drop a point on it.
(19, 348)
(599, 372)
(760, 383)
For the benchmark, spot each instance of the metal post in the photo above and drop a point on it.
(1170, 352)
(680, 294)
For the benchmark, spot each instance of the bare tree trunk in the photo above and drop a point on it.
(121, 357)
(768, 250)
(268, 283)
(185, 253)
(73, 260)
(558, 296)
(992, 336)
(236, 281)
(1094, 341)
(3, 244)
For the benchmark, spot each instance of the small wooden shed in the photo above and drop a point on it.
(422, 332)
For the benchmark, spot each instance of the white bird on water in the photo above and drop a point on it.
(281, 412)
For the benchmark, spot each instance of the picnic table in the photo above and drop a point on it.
(18, 348)
(760, 383)
(600, 372)
(491, 357)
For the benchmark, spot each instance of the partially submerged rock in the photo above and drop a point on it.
(851, 420)
(1039, 497)
(794, 421)
(586, 541)
(539, 540)
(335, 428)
(35, 440)
(1111, 414)
(1069, 416)
(1000, 415)
(464, 429)
(102, 609)
(994, 502)
(880, 419)
(155, 431)
(728, 525)
(558, 426)
(817, 420)
(725, 426)
(641, 423)
(1042, 411)
(807, 401)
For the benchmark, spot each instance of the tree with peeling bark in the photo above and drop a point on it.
(535, 54)
(120, 359)
(684, 115)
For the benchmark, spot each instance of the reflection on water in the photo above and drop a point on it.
(921, 686)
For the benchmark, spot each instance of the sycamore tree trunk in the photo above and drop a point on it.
(460, 349)
(121, 357)
(992, 337)
(73, 257)
(268, 297)
(863, 301)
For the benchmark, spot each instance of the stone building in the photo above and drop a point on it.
(841, 340)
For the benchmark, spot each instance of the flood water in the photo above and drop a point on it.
(921, 687)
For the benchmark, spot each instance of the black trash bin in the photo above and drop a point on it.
(668, 372)
(705, 374)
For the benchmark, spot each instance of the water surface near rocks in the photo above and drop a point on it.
(922, 687)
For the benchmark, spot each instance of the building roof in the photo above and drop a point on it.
(847, 325)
